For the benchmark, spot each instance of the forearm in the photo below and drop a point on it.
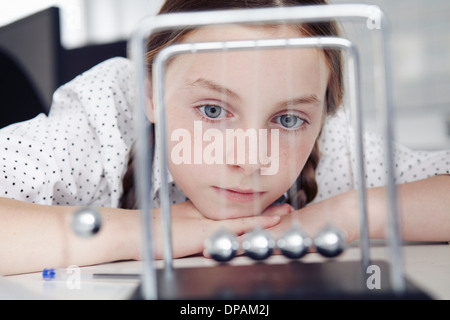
(424, 208)
(424, 212)
(33, 237)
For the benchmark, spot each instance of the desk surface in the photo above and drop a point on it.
(426, 265)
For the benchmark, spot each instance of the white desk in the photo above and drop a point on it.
(428, 266)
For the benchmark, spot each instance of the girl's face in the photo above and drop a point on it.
(272, 100)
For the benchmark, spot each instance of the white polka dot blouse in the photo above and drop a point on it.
(77, 155)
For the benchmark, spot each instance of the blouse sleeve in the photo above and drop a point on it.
(337, 171)
(77, 155)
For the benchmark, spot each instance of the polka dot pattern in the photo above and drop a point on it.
(77, 155)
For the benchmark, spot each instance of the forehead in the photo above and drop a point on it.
(242, 32)
(305, 68)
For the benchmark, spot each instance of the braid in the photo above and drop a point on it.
(128, 199)
(305, 188)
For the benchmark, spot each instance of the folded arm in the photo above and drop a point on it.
(34, 237)
(424, 210)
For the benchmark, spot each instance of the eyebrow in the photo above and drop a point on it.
(311, 99)
(211, 85)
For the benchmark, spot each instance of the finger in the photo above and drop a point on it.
(243, 225)
(240, 252)
(279, 210)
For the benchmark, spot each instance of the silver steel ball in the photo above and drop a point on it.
(294, 243)
(258, 244)
(330, 241)
(222, 246)
(86, 222)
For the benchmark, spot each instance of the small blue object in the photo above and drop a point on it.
(48, 274)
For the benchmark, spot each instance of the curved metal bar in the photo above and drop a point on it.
(394, 230)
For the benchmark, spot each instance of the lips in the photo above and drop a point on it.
(239, 195)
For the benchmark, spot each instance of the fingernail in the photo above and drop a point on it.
(288, 208)
(275, 218)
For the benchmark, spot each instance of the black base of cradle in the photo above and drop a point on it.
(291, 281)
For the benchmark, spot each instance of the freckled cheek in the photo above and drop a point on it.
(293, 156)
(192, 179)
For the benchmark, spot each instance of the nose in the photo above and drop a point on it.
(246, 169)
(242, 151)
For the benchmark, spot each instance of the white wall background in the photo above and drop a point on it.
(420, 69)
(86, 21)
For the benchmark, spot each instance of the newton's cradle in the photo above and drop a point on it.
(294, 279)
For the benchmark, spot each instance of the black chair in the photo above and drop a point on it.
(19, 99)
(33, 56)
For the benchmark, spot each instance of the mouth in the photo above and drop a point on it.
(239, 195)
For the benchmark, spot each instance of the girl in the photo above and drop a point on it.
(82, 153)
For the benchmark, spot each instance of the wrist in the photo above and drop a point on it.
(125, 228)
(134, 249)
(347, 214)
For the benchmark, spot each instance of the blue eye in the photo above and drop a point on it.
(212, 111)
(289, 121)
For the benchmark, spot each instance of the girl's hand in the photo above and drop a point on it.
(190, 228)
(340, 210)
(278, 210)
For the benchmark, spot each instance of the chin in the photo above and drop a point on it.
(220, 213)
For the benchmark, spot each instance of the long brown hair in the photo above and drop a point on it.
(305, 189)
